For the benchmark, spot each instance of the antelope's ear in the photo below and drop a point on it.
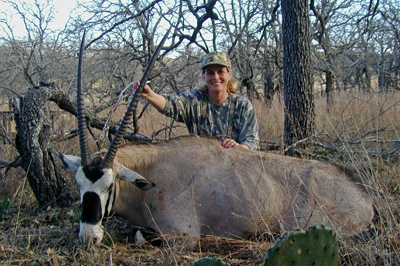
(69, 162)
(128, 175)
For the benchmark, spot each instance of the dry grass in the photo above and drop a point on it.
(360, 130)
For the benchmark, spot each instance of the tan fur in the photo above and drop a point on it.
(202, 188)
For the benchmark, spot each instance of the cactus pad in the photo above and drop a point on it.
(316, 245)
(208, 262)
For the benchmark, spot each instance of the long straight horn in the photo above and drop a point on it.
(82, 129)
(109, 158)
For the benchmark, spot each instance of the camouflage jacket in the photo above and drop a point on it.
(234, 119)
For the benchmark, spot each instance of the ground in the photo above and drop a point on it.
(50, 237)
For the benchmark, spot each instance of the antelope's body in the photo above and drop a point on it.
(201, 188)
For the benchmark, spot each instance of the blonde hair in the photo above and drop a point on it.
(232, 86)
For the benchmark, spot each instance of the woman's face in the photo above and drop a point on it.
(216, 78)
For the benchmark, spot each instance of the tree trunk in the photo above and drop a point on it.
(249, 84)
(37, 154)
(329, 89)
(269, 90)
(368, 79)
(299, 99)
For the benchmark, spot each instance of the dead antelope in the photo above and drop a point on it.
(201, 188)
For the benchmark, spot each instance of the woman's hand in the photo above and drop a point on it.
(158, 101)
(230, 143)
(146, 89)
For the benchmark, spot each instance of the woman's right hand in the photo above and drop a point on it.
(146, 89)
(158, 101)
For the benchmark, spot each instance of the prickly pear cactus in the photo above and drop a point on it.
(208, 262)
(316, 245)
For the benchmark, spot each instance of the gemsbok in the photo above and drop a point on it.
(192, 186)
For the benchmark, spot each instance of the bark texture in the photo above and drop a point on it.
(34, 145)
(299, 99)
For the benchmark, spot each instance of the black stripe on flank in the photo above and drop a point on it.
(111, 191)
(91, 208)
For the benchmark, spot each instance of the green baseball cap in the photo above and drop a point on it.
(216, 58)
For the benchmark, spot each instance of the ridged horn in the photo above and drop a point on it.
(109, 158)
(82, 129)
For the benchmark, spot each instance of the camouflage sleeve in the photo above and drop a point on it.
(180, 107)
(248, 130)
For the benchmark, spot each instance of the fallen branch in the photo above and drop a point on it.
(14, 164)
(6, 137)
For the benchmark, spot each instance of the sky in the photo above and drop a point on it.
(62, 9)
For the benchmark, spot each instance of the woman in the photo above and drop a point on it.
(215, 109)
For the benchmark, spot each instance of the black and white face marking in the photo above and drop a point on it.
(97, 189)
(91, 208)
(92, 211)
